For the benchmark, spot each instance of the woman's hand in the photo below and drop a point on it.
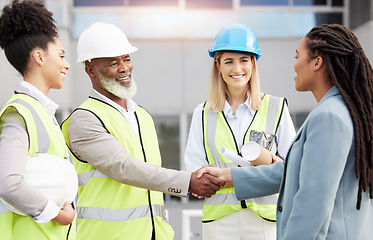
(222, 173)
(276, 159)
(66, 215)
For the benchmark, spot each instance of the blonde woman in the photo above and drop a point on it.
(325, 183)
(237, 112)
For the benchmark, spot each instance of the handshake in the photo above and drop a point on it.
(207, 180)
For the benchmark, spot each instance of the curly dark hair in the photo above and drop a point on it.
(350, 71)
(23, 27)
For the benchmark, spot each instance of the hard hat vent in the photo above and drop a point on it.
(235, 37)
(103, 40)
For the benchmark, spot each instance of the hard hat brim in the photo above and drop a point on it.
(257, 53)
(103, 54)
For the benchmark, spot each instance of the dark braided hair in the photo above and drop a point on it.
(23, 27)
(350, 71)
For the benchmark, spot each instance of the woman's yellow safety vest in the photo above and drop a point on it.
(106, 208)
(44, 137)
(217, 134)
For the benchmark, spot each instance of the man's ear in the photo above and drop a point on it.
(90, 70)
(319, 61)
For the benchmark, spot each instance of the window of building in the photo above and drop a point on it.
(154, 3)
(168, 138)
(328, 18)
(267, 24)
(82, 21)
(200, 24)
(155, 24)
(337, 2)
(209, 4)
(309, 2)
(303, 22)
(191, 19)
(56, 7)
(98, 3)
(264, 2)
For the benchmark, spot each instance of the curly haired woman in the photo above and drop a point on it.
(27, 124)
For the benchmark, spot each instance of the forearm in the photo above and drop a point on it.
(105, 153)
(13, 157)
(252, 182)
(156, 178)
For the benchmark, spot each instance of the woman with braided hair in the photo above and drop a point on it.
(325, 183)
(27, 124)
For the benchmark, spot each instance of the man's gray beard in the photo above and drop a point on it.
(123, 91)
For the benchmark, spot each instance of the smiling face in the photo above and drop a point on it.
(236, 69)
(55, 66)
(304, 68)
(112, 77)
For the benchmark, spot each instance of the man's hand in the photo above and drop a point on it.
(223, 174)
(66, 215)
(204, 186)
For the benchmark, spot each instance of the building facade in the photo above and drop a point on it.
(172, 65)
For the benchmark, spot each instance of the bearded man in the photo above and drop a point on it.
(115, 149)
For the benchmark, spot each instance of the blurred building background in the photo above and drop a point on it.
(172, 65)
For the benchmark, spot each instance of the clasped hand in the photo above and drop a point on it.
(206, 181)
(66, 215)
(213, 179)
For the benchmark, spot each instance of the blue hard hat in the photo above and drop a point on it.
(235, 37)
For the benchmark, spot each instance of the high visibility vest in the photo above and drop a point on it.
(44, 137)
(217, 134)
(106, 208)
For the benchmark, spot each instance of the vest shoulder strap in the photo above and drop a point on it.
(274, 112)
(30, 109)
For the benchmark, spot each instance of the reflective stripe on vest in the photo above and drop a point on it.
(38, 125)
(42, 134)
(225, 201)
(275, 104)
(107, 205)
(44, 137)
(230, 198)
(86, 176)
(105, 214)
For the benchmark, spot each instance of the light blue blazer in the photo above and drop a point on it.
(317, 184)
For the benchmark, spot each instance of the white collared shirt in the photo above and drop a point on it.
(195, 156)
(239, 122)
(29, 89)
(128, 114)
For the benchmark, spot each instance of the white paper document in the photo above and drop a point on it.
(234, 157)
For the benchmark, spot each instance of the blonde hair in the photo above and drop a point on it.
(218, 90)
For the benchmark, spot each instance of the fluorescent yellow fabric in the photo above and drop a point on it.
(39, 128)
(225, 201)
(108, 209)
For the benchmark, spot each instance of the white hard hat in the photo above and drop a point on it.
(53, 176)
(103, 40)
